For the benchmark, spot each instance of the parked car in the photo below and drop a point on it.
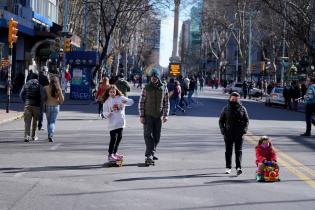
(238, 87)
(234, 87)
(275, 97)
(255, 92)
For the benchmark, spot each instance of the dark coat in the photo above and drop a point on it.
(234, 120)
(43, 79)
(32, 93)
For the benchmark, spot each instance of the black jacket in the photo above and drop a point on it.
(234, 120)
(43, 79)
(32, 93)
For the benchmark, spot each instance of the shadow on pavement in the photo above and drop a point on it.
(171, 177)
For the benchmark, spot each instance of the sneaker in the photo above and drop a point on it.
(183, 110)
(27, 139)
(228, 171)
(305, 134)
(149, 161)
(41, 128)
(155, 158)
(112, 157)
(189, 107)
(34, 138)
(119, 156)
(50, 139)
(239, 171)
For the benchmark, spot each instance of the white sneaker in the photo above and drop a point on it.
(35, 138)
(228, 171)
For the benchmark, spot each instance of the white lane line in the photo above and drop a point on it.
(19, 174)
(55, 146)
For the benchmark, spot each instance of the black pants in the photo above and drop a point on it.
(231, 140)
(152, 133)
(115, 138)
(41, 116)
(100, 107)
(309, 110)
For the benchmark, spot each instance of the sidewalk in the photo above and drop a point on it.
(7, 117)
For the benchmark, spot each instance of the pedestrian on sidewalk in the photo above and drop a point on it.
(265, 153)
(309, 107)
(153, 105)
(201, 82)
(233, 124)
(43, 81)
(114, 111)
(171, 88)
(287, 94)
(191, 90)
(54, 97)
(184, 88)
(296, 94)
(100, 95)
(245, 89)
(176, 98)
(122, 84)
(140, 82)
(32, 95)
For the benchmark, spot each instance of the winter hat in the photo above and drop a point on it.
(155, 73)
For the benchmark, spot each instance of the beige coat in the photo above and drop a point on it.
(59, 99)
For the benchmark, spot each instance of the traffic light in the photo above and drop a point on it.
(67, 45)
(12, 37)
(57, 44)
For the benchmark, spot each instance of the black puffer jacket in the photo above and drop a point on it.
(32, 93)
(234, 120)
(43, 79)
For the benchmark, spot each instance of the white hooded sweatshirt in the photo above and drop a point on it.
(114, 110)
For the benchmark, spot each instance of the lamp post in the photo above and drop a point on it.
(283, 44)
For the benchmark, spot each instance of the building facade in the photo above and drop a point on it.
(37, 25)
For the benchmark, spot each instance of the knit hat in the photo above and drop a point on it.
(155, 73)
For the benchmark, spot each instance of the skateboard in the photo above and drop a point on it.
(117, 163)
(149, 162)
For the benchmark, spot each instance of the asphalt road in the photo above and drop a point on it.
(70, 173)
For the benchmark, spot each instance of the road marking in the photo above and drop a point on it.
(289, 163)
(55, 147)
(19, 174)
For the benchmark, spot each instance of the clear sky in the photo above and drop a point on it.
(167, 27)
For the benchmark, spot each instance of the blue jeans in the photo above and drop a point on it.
(190, 94)
(51, 114)
(175, 104)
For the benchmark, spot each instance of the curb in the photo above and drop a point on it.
(16, 117)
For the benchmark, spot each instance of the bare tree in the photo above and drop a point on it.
(298, 17)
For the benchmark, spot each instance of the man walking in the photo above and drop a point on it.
(233, 124)
(32, 95)
(153, 109)
(309, 107)
(122, 84)
(43, 81)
